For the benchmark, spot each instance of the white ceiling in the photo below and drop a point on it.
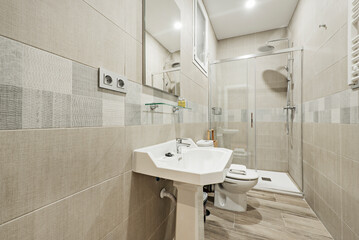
(160, 17)
(231, 18)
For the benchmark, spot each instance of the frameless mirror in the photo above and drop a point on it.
(162, 45)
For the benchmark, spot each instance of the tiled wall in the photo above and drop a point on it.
(66, 145)
(330, 128)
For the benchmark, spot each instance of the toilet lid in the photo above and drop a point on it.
(239, 174)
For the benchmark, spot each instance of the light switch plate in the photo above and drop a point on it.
(112, 81)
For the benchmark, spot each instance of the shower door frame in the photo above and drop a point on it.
(256, 55)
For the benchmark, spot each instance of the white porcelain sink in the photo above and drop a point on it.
(198, 166)
(190, 170)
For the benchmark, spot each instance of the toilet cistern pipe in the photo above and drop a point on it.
(164, 193)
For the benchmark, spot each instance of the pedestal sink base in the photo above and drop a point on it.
(189, 212)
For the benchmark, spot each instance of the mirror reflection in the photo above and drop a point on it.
(162, 45)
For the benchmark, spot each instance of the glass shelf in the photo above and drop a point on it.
(175, 108)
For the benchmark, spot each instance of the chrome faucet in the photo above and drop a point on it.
(180, 144)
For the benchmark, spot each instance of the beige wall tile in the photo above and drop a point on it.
(350, 139)
(133, 64)
(84, 215)
(133, 18)
(327, 136)
(350, 180)
(114, 10)
(58, 27)
(42, 166)
(329, 192)
(330, 220)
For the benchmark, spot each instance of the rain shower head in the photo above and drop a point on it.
(269, 47)
(266, 48)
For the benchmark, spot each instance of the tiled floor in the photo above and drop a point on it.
(269, 217)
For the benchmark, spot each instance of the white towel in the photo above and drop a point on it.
(238, 169)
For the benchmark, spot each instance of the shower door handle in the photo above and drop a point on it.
(251, 120)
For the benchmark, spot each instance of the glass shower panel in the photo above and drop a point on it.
(295, 163)
(249, 102)
(229, 108)
(271, 97)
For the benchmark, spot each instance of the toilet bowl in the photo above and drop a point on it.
(232, 193)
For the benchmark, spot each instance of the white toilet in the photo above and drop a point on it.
(232, 193)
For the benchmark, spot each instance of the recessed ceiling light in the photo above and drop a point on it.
(177, 25)
(250, 3)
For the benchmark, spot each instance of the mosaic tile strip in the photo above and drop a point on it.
(342, 107)
(42, 90)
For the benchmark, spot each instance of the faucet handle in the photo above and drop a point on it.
(179, 140)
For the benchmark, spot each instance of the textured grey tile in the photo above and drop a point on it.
(328, 103)
(85, 81)
(134, 91)
(46, 71)
(231, 117)
(133, 104)
(335, 100)
(132, 114)
(345, 115)
(47, 109)
(316, 117)
(86, 112)
(10, 107)
(325, 116)
(179, 117)
(11, 53)
(335, 115)
(313, 106)
(31, 108)
(354, 115)
(158, 118)
(62, 110)
(113, 112)
(344, 99)
(36, 108)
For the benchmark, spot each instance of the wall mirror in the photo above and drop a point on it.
(162, 45)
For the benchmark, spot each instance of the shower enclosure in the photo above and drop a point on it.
(255, 109)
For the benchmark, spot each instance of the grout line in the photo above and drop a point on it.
(318, 217)
(60, 200)
(160, 225)
(124, 30)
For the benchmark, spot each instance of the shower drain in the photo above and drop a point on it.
(266, 179)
